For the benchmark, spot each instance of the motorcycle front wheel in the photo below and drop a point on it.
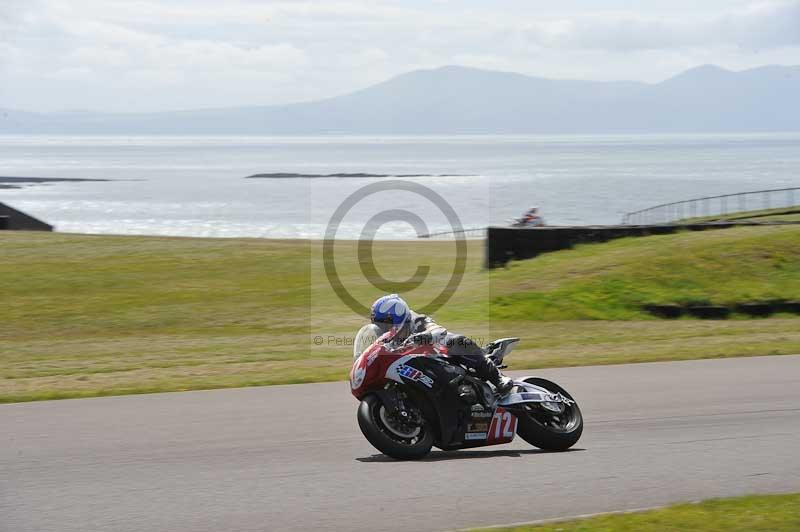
(387, 432)
(546, 429)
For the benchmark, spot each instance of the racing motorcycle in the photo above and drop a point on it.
(522, 222)
(412, 398)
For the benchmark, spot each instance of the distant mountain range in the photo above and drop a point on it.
(460, 100)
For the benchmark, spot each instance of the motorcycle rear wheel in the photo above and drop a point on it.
(390, 441)
(545, 430)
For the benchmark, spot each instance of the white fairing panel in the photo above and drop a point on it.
(365, 337)
(530, 393)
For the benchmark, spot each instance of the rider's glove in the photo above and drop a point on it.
(424, 338)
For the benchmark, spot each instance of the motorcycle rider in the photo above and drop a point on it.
(392, 311)
(532, 217)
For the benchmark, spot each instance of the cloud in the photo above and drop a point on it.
(162, 54)
(13, 14)
(231, 12)
(760, 25)
(12, 10)
(104, 45)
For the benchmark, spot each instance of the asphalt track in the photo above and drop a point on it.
(292, 457)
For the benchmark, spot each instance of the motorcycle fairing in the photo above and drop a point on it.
(369, 369)
(458, 424)
(530, 393)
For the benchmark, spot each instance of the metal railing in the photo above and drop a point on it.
(471, 232)
(715, 205)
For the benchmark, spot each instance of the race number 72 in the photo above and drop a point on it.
(503, 423)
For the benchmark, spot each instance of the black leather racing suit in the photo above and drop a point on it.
(460, 348)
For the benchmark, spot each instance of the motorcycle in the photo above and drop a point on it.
(523, 222)
(412, 398)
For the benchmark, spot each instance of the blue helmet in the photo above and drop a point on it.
(391, 310)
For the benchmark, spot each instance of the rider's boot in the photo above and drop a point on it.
(503, 385)
(500, 382)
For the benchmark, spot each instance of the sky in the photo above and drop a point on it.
(155, 55)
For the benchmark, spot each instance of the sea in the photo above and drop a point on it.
(199, 186)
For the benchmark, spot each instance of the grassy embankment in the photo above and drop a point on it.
(781, 214)
(763, 513)
(102, 315)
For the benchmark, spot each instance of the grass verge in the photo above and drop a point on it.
(614, 280)
(105, 315)
(762, 513)
(780, 214)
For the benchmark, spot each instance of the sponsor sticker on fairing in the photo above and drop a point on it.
(477, 411)
(530, 396)
(415, 375)
(475, 436)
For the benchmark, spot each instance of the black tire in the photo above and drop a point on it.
(539, 434)
(384, 440)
